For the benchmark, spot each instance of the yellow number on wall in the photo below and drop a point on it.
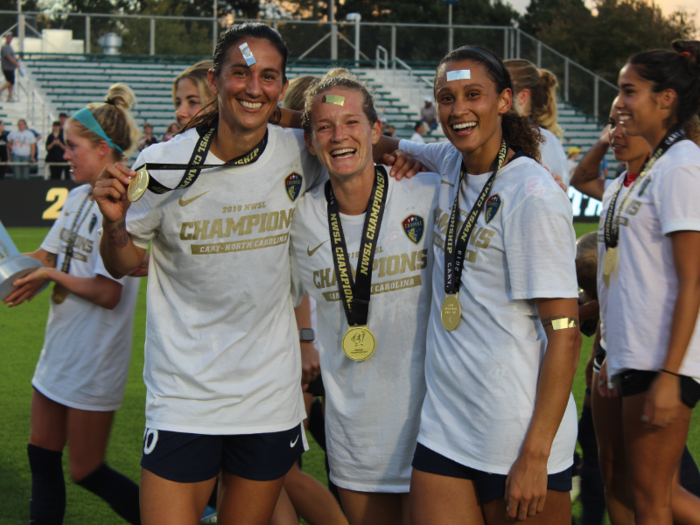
(58, 195)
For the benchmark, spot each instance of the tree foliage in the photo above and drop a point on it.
(603, 40)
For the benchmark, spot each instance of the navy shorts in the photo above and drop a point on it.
(637, 381)
(488, 486)
(189, 458)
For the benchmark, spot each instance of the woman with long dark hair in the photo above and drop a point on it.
(498, 425)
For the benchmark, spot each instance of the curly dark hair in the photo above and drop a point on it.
(522, 133)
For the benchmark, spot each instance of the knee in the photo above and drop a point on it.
(647, 494)
(81, 470)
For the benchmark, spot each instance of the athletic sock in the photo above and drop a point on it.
(689, 474)
(48, 503)
(117, 490)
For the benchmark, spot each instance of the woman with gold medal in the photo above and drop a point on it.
(80, 378)
(361, 247)
(653, 264)
(498, 425)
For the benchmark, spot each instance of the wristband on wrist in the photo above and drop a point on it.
(307, 335)
(669, 372)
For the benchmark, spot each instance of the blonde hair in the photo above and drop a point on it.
(342, 78)
(542, 85)
(197, 74)
(296, 92)
(115, 118)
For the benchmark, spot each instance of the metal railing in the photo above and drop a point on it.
(421, 46)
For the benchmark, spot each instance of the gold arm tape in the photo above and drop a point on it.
(334, 99)
(566, 322)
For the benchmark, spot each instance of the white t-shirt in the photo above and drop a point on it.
(641, 305)
(610, 189)
(554, 156)
(417, 137)
(482, 377)
(85, 359)
(21, 142)
(372, 407)
(222, 347)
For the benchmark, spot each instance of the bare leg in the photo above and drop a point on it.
(88, 433)
(607, 420)
(284, 511)
(245, 502)
(312, 500)
(372, 508)
(165, 502)
(49, 423)
(653, 456)
(443, 500)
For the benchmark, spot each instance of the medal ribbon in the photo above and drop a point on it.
(196, 163)
(73, 236)
(455, 251)
(355, 293)
(612, 221)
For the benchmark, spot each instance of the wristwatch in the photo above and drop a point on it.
(307, 335)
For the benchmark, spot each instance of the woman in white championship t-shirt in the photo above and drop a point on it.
(653, 345)
(222, 369)
(498, 425)
(81, 374)
(535, 94)
(373, 402)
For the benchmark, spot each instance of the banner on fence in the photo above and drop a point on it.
(32, 202)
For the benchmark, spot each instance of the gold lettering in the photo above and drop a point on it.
(393, 265)
(216, 229)
(285, 219)
(485, 237)
(253, 220)
(411, 263)
(382, 267)
(232, 227)
(200, 230)
(186, 236)
(272, 220)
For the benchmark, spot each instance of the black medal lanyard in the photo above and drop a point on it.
(355, 293)
(454, 252)
(196, 163)
(611, 230)
(74, 232)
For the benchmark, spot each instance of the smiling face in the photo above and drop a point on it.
(86, 160)
(248, 95)
(642, 112)
(624, 147)
(342, 136)
(187, 101)
(470, 109)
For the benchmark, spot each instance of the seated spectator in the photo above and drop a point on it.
(418, 130)
(148, 138)
(428, 114)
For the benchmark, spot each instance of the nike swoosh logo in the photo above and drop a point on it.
(185, 202)
(445, 182)
(292, 443)
(310, 252)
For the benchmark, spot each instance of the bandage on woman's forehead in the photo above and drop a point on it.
(247, 54)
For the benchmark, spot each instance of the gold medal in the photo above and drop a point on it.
(138, 185)
(451, 312)
(612, 257)
(59, 293)
(358, 343)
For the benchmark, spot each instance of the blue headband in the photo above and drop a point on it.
(87, 119)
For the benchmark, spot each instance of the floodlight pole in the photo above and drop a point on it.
(450, 30)
(215, 29)
(334, 30)
(20, 26)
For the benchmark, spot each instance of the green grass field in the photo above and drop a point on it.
(21, 339)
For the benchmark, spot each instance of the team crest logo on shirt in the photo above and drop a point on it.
(643, 187)
(413, 226)
(293, 185)
(492, 207)
(93, 221)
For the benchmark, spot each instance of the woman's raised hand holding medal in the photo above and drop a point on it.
(111, 191)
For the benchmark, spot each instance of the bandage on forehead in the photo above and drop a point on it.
(247, 53)
(460, 74)
(334, 99)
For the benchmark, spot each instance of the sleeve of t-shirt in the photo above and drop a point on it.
(143, 219)
(314, 173)
(52, 241)
(432, 156)
(540, 245)
(99, 269)
(676, 199)
(31, 138)
(298, 289)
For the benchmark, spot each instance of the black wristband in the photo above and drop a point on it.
(669, 372)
